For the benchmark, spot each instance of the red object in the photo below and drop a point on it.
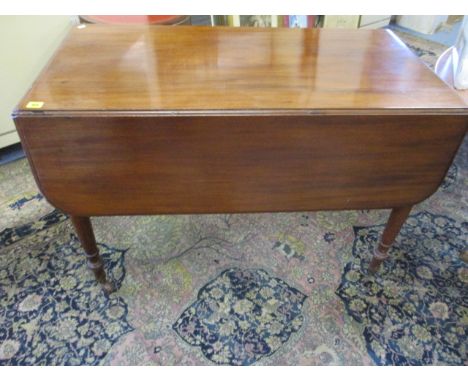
(142, 19)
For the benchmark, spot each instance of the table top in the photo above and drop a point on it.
(186, 69)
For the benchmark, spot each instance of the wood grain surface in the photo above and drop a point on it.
(166, 69)
(90, 166)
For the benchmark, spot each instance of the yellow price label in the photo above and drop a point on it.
(34, 105)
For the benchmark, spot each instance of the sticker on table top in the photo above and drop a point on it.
(34, 105)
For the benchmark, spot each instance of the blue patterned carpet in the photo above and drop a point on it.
(415, 311)
(241, 316)
(51, 311)
(245, 289)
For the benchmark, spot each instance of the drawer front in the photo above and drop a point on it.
(156, 165)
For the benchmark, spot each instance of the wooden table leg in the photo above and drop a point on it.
(85, 233)
(397, 217)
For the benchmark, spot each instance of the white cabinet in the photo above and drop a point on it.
(374, 21)
(421, 24)
(26, 44)
(354, 22)
(336, 21)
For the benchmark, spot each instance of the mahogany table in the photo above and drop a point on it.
(158, 120)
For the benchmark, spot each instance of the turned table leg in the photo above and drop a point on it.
(395, 221)
(85, 233)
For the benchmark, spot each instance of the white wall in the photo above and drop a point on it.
(26, 44)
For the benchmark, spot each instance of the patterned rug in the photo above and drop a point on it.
(246, 289)
(51, 313)
(426, 50)
(414, 311)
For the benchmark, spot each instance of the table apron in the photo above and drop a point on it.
(126, 165)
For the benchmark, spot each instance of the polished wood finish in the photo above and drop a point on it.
(85, 233)
(206, 120)
(163, 69)
(140, 165)
(397, 218)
